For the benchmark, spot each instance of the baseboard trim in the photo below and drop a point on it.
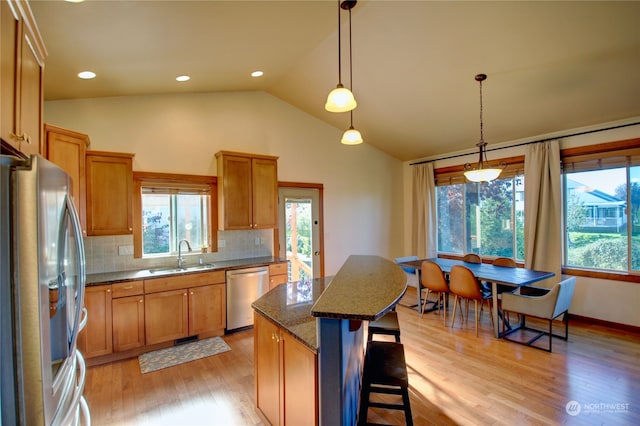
(610, 324)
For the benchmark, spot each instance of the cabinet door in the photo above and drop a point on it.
(206, 309)
(96, 337)
(109, 193)
(8, 63)
(165, 316)
(128, 322)
(300, 382)
(30, 95)
(267, 368)
(67, 149)
(264, 174)
(235, 197)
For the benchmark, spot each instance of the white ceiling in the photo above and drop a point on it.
(551, 65)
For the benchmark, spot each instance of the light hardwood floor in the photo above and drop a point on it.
(454, 376)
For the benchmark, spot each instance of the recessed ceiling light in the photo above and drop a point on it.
(257, 74)
(183, 78)
(74, 1)
(87, 75)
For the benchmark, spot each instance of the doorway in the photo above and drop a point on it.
(300, 229)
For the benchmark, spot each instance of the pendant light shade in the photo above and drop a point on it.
(480, 173)
(351, 136)
(341, 99)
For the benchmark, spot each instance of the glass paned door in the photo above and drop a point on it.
(300, 232)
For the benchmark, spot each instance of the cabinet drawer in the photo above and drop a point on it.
(177, 282)
(130, 288)
(278, 268)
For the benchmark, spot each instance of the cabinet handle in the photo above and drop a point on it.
(21, 138)
(128, 287)
(192, 293)
(141, 300)
(184, 294)
(108, 290)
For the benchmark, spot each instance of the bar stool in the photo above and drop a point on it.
(384, 372)
(386, 324)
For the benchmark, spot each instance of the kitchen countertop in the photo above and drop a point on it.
(289, 306)
(365, 288)
(121, 276)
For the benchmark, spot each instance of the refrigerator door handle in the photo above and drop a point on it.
(77, 230)
(77, 392)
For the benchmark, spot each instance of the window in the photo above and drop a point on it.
(171, 208)
(602, 219)
(483, 218)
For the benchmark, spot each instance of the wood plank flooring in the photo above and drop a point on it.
(455, 378)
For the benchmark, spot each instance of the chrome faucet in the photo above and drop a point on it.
(180, 259)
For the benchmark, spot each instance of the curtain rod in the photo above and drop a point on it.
(530, 142)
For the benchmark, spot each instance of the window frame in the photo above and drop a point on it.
(163, 180)
(605, 154)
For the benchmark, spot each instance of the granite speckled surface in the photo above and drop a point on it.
(289, 306)
(365, 288)
(120, 276)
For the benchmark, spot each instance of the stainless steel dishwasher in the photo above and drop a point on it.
(243, 287)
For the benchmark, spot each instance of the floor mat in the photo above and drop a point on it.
(163, 358)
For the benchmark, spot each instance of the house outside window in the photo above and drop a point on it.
(599, 234)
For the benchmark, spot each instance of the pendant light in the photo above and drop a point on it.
(480, 173)
(351, 136)
(341, 99)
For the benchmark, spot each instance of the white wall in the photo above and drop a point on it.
(606, 300)
(181, 134)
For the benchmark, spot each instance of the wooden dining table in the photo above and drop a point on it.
(515, 277)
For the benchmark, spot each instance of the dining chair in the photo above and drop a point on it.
(472, 258)
(550, 305)
(464, 285)
(505, 262)
(433, 279)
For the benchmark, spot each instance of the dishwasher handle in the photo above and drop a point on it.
(250, 273)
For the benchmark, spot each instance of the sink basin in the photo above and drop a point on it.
(176, 270)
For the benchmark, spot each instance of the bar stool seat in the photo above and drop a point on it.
(386, 324)
(384, 372)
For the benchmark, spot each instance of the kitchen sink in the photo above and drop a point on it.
(176, 270)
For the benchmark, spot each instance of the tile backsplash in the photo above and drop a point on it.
(115, 252)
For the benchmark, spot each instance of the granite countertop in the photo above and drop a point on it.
(289, 306)
(156, 272)
(365, 288)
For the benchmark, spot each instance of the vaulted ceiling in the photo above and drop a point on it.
(551, 65)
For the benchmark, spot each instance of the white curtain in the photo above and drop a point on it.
(543, 208)
(424, 225)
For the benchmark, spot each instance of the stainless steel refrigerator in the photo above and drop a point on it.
(42, 279)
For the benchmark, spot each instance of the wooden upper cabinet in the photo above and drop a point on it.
(21, 78)
(247, 191)
(67, 149)
(109, 193)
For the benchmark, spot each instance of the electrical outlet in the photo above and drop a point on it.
(222, 243)
(257, 241)
(125, 250)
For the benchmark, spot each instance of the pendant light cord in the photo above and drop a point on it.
(339, 48)
(350, 67)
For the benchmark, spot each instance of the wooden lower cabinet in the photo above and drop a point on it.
(184, 305)
(127, 308)
(166, 316)
(205, 309)
(95, 339)
(128, 323)
(286, 375)
(278, 274)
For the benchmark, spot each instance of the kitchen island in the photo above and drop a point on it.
(309, 342)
